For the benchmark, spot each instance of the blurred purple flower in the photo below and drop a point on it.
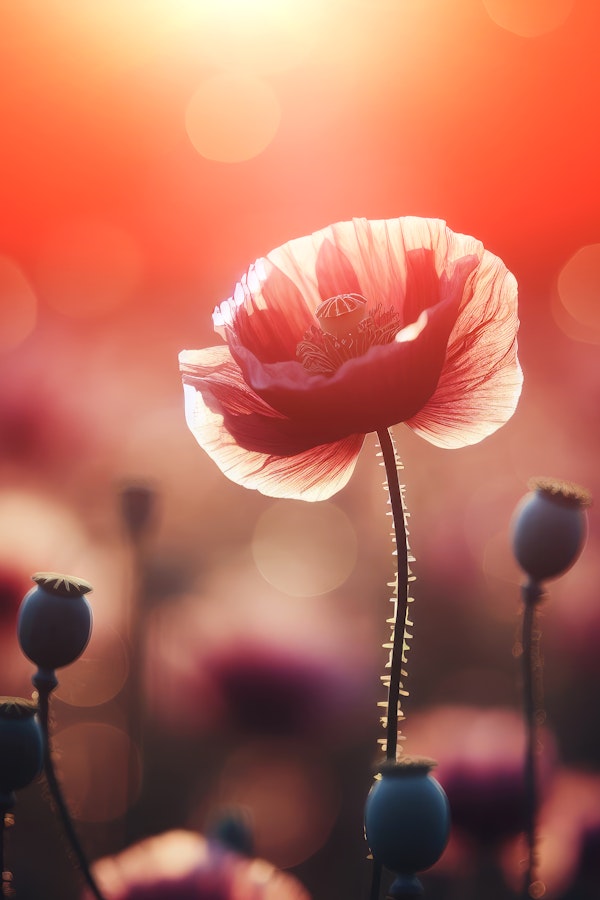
(259, 687)
(480, 753)
(268, 689)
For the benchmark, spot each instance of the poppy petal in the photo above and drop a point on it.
(388, 384)
(481, 381)
(393, 263)
(335, 275)
(380, 259)
(250, 442)
(380, 253)
(267, 312)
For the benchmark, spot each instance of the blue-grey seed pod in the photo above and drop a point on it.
(55, 620)
(21, 746)
(407, 817)
(549, 528)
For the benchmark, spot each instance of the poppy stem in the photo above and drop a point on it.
(7, 802)
(44, 683)
(2, 830)
(531, 673)
(399, 627)
(376, 880)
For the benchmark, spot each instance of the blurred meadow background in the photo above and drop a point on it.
(149, 152)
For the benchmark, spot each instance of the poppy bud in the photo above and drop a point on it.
(21, 747)
(407, 822)
(232, 829)
(550, 528)
(55, 620)
(138, 508)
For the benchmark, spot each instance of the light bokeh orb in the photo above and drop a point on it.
(304, 549)
(232, 116)
(99, 673)
(270, 779)
(100, 770)
(578, 288)
(529, 18)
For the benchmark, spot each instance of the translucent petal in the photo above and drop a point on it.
(451, 374)
(387, 385)
(223, 414)
(481, 380)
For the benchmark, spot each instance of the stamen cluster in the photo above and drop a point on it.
(323, 353)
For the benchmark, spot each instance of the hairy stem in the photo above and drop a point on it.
(399, 623)
(44, 687)
(531, 700)
(399, 627)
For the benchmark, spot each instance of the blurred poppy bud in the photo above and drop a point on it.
(550, 528)
(138, 508)
(233, 830)
(55, 620)
(407, 822)
(21, 747)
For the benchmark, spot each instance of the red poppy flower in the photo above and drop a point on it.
(353, 329)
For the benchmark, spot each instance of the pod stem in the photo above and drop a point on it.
(45, 683)
(376, 880)
(532, 689)
(2, 832)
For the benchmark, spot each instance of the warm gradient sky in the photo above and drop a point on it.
(151, 150)
(196, 135)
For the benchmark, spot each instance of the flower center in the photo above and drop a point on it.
(347, 330)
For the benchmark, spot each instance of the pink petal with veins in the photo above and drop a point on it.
(268, 314)
(335, 274)
(251, 443)
(481, 380)
(387, 385)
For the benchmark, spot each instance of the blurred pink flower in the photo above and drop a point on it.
(182, 865)
(353, 329)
